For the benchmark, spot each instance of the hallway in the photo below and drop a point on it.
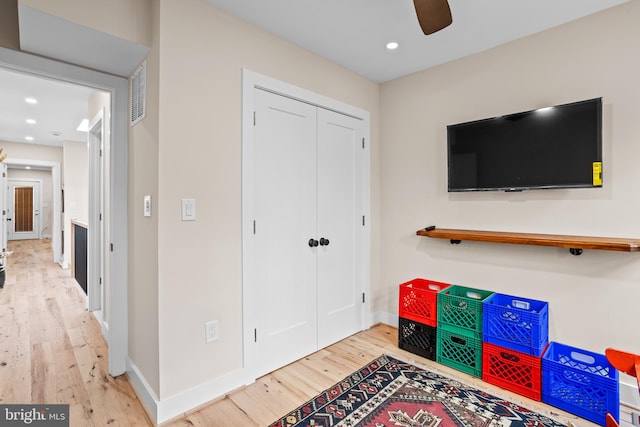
(51, 348)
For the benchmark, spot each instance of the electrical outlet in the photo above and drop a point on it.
(211, 331)
(635, 418)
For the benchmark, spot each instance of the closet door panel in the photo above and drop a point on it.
(285, 221)
(339, 221)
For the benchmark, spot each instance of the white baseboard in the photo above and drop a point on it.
(104, 326)
(162, 411)
(629, 394)
(191, 399)
(143, 390)
(178, 405)
(629, 401)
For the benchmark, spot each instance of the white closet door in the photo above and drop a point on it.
(285, 220)
(340, 288)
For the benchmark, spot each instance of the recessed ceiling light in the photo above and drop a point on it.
(31, 121)
(28, 138)
(31, 100)
(27, 167)
(83, 126)
(392, 45)
(56, 133)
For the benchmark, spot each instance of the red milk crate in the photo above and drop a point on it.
(418, 300)
(512, 370)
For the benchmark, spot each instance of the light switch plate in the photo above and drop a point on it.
(188, 209)
(147, 205)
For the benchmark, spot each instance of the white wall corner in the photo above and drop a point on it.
(161, 411)
(191, 399)
(386, 318)
(629, 400)
(143, 390)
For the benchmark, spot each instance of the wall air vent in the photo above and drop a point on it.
(138, 93)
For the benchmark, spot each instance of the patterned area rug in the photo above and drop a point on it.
(392, 393)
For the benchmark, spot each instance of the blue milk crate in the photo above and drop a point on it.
(581, 382)
(516, 323)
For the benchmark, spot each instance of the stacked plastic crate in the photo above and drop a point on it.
(581, 382)
(417, 314)
(504, 339)
(516, 334)
(459, 334)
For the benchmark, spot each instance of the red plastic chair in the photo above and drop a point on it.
(624, 362)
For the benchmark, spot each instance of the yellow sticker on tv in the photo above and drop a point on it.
(597, 173)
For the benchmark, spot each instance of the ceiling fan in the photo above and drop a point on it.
(433, 15)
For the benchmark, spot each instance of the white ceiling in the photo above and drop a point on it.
(60, 109)
(61, 106)
(353, 33)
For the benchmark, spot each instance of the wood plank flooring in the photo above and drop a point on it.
(52, 351)
(51, 347)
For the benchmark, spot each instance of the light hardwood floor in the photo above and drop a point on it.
(52, 351)
(51, 348)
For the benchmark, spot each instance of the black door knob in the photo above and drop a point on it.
(313, 243)
(324, 242)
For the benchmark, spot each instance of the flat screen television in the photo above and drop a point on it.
(554, 147)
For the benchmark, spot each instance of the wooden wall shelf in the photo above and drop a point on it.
(574, 243)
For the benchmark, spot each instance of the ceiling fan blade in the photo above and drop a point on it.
(433, 15)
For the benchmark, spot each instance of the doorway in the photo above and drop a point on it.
(117, 87)
(43, 171)
(23, 209)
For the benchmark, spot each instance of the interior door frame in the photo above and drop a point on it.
(118, 88)
(37, 206)
(250, 81)
(95, 232)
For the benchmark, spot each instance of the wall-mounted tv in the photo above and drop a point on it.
(554, 147)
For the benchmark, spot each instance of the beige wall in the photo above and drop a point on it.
(143, 231)
(24, 151)
(126, 19)
(9, 34)
(593, 297)
(76, 189)
(201, 58)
